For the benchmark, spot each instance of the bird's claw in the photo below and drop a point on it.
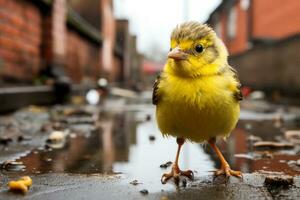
(228, 172)
(175, 174)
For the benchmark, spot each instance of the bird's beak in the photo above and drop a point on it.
(177, 54)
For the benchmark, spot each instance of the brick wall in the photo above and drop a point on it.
(220, 22)
(275, 18)
(239, 42)
(122, 40)
(34, 35)
(20, 39)
(82, 57)
(262, 19)
(58, 30)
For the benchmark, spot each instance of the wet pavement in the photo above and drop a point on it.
(116, 152)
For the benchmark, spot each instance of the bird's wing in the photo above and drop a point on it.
(238, 93)
(155, 96)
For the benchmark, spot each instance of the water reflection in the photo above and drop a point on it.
(121, 144)
(250, 159)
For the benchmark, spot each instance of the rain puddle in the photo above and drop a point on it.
(129, 143)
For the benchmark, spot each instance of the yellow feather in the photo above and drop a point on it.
(196, 109)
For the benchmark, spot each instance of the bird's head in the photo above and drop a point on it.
(195, 51)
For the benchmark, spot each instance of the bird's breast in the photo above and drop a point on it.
(197, 110)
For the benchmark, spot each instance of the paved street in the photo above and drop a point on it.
(115, 152)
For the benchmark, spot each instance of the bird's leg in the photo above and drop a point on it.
(225, 168)
(176, 172)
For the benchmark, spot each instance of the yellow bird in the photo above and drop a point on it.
(197, 95)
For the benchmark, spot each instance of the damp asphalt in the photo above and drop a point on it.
(115, 151)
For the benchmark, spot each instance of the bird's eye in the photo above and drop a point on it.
(170, 49)
(199, 48)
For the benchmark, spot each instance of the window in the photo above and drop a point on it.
(231, 24)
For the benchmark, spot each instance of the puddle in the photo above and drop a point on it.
(130, 143)
(244, 156)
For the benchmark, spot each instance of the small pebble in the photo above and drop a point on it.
(13, 166)
(134, 182)
(148, 117)
(166, 165)
(23, 138)
(144, 192)
(5, 140)
(152, 137)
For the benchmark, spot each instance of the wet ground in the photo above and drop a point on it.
(116, 152)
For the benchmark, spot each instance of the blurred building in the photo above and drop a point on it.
(262, 38)
(40, 34)
(151, 70)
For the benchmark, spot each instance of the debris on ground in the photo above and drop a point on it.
(76, 112)
(253, 138)
(294, 164)
(278, 120)
(57, 139)
(24, 138)
(144, 192)
(276, 183)
(255, 155)
(246, 156)
(293, 136)
(166, 165)
(5, 140)
(135, 182)
(36, 109)
(148, 117)
(13, 166)
(248, 126)
(267, 154)
(273, 145)
(22, 185)
(282, 180)
(152, 137)
(86, 147)
(272, 173)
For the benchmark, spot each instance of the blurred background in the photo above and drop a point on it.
(125, 41)
(80, 72)
(75, 42)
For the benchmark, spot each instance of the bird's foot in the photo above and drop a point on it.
(228, 172)
(175, 174)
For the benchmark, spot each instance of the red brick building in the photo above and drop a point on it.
(35, 34)
(243, 23)
(263, 39)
